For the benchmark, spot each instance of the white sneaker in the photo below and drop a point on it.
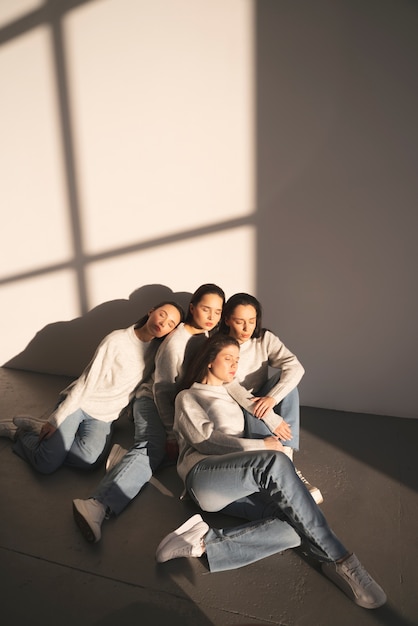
(187, 540)
(8, 429)
(314, 491)
(89, 515)
(115, 455)
(28, 423)
(356, 582)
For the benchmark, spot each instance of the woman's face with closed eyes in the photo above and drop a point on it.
(242, 322)
(163, 320)
(223, 368)
(207, 312)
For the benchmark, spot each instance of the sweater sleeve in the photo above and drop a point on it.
(281, 358)
(245, 399)
(168, 364)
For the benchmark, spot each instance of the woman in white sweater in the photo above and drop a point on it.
(261, 350)
(129, 470)
(179, 349)
(224, 471)
(77, 432)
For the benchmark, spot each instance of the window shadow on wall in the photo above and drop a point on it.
(66, 347)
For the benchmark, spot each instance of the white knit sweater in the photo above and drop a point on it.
(121, 363)
(173, 356)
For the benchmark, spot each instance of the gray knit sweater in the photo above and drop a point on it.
(209, 421)
(256, 355)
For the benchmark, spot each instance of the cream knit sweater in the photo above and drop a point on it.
(121, 363)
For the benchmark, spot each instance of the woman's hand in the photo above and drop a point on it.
(272, 443)
(47, 431)
(283, 431)
(263, 405)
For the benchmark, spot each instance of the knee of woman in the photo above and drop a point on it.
(281, 460)
(89, 457)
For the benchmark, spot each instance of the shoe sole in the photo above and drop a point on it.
(86, 531)
(192, 521)
(317, 496)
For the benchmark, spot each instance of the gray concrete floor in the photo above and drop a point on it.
(365, 465)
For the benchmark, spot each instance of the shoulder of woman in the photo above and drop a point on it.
(268, 335)
(171, 340)
(116, 334)
(187, 396)
(114, 341)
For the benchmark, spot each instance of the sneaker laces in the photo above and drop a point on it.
(358, 573)
(302, 477)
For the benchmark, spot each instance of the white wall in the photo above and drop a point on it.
(337, 196)
(269, 146)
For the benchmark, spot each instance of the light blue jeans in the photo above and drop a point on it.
(261, 486)
(288, 408)
(124, 481)
(80, 441)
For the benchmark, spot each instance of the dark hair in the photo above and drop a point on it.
(198, 367)
(202, 291)
(244, 299)
(143, 320)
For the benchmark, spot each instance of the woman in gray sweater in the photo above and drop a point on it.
(225, 471)
(260, 351)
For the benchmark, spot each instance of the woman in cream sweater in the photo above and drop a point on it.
(77, 432)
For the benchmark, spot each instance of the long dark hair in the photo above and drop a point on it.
(198, 367)
(143, 320)
(203, 290)
(230, 305)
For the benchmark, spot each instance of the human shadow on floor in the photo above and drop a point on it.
(65, 348)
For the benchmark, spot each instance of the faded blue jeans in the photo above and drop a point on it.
(125, 480)
(283, 509)
(80, 441)
(288, 408)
